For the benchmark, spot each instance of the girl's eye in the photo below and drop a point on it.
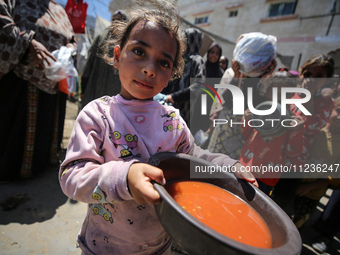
(138, 52)
(165, 63)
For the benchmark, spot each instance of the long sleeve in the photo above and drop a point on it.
(313, 124)
(20, 22)
(14, 41)
(194, 72)
(110, 134)
(108, 137)
(85, 169)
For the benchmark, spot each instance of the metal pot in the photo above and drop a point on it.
(197, 238)
(270, 129)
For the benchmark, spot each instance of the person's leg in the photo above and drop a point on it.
(45, 130)
(13, 112)
(265, 188)
(330, 223)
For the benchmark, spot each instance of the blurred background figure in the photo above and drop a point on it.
(271, 145)
(178, 91)
(325, 150)
(224, 63)
(254, 59)
(298, 197)
(212, 64)
(99, 78)
(328, 225)
(31, 107)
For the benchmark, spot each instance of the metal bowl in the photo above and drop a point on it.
(197, 238)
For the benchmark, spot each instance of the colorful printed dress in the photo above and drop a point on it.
(31, 108)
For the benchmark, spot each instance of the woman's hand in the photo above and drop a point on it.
(169, 99)
(139, 179)
(40, 54)
(270, 69)
(247, 115)
(236, 68)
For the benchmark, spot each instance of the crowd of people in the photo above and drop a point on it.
(144, 54)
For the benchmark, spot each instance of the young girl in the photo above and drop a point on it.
(325, 151)
(314, 75)
(113, 137)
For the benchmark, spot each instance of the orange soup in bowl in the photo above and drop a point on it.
(222, 211)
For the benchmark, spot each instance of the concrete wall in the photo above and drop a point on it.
(312, 29)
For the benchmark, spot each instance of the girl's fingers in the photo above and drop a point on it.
(155, 174)
(140, 182)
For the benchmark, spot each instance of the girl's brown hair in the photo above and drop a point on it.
(320, 60)
(160, 12)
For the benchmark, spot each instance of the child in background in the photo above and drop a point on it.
(224, 63)
(314, 74)
(325, 151)
(263, 150)
(113, 138)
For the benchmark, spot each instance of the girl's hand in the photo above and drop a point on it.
(40, 54)
(139, 180)
(245, 175)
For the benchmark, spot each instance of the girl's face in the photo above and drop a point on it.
(214, 54)
(223, 63)
(313, 78)
(146, 61)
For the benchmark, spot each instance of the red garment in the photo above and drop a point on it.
(273, 152)
(76, 12)
(323, 107)
(291, 148)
